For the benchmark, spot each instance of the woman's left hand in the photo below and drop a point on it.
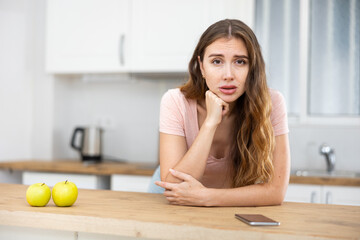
(189, 192)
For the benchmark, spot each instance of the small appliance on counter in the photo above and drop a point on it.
(90, 143)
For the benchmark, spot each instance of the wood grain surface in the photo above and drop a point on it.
(333, 181)
(76, 166)
(150, 216)
(109, 168)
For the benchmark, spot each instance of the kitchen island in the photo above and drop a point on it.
(114, 213)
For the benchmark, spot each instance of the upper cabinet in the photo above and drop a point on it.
(165, 32)
(103, 36)
(87, 36)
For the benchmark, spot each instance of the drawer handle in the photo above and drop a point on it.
(121, 49)
(328, 199)
(313, 197)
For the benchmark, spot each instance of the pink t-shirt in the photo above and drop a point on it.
(178, 116)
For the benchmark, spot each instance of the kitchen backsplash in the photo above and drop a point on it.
(127, 109)
(132, 108)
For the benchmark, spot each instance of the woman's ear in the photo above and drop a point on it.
(201, 66)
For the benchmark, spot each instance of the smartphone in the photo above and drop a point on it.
(257, 220)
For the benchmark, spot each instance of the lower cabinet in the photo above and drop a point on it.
(307, 193)
(130, 183)
(116, 182)
(303, 193)
(86, 181)
(7, 176)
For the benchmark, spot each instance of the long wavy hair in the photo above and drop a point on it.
(253, 138)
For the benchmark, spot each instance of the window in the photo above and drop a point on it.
(334, 79)
(311, 51)
(277, 26)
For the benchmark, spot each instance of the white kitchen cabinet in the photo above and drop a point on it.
(112, 36)
(87, 36)
(7, 176)
(81, 180)
(165, 32)
(341, 195)
(307, 193)
(130, 183)
(303, 193)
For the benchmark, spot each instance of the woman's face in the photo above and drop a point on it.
(225, 67)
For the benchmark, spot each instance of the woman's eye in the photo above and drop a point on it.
(241, 61)
(216, 61)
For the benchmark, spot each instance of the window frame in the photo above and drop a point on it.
(304, 117)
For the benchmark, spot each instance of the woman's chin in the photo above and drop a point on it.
(229, 98)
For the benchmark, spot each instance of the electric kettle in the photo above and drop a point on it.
(90, 143)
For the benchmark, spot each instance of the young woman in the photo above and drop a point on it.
(223, 134)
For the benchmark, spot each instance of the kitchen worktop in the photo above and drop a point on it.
(150, 216)
(109, 168)
(76, 166)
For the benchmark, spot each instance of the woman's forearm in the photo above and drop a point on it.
(252, 195)
(194, 161)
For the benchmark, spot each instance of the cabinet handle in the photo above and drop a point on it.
(313, 197)
(328, 199)
(121, 49)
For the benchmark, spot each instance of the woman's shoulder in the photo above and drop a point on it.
(174, 92)
(174, 95)
(278, 113)
(276, 96)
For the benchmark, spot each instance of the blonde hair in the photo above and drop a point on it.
(253, 138)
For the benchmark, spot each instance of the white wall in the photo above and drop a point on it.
(26, 92)
(305, 141)
(16, 79)
(43, 89)
(132, 105)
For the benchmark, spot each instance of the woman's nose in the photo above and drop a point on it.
(228, 72)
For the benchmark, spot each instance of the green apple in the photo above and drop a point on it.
(64, 194)
(38, 195)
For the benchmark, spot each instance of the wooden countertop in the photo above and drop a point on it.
(333, 181)
(150, 216)
(109, 168)
(76, 166)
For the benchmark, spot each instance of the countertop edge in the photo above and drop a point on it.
(133, 228)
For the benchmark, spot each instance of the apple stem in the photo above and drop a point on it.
(42, 184)
(66, 181)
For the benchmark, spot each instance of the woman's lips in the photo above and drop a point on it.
(228, 89)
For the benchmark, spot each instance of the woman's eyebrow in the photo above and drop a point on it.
(241, 56)
(221, 55)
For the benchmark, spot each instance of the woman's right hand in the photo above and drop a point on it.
(216, 108)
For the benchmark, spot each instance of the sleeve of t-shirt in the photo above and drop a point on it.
(171, 114)
(279, 115)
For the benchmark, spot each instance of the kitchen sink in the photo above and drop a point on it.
(324, 173)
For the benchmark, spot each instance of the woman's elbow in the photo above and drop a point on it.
(277, 195)
(171, 179)
(279, 200)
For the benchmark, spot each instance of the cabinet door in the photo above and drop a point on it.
(342, 195)
(303, 193)
(130, 183)
(81, 180)
(165, 32)
(87, 36)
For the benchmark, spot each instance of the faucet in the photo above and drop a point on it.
(329, 154)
